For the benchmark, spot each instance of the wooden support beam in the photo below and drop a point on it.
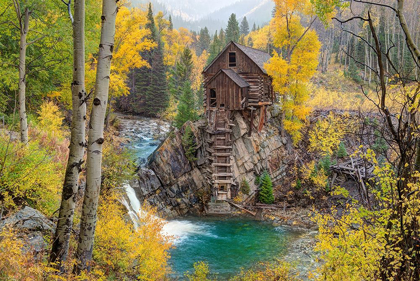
(223, 181)
(221, 164)
(242, 208)
(223, 175)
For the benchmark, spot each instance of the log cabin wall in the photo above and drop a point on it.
(260, 88)
(228, 93)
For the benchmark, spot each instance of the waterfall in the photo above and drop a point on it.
(141, 133)
(133, 205)
(179, 230)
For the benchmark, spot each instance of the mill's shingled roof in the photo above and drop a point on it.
(236, 78)
(257, 56)
(233, 76)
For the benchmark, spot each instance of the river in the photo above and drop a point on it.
(226, 244)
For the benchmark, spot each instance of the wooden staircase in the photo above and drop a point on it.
(219, 130)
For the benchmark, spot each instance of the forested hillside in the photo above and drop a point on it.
(345, 78)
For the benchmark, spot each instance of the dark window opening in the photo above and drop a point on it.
(232, 59)
(222, 188)
(213, 98)
(222, 105)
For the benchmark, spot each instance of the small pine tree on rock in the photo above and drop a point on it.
(245, 188)
(186, 106)
(341, 152)
(188, 142)
(266, 189)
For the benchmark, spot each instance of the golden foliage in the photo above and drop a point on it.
(260, 38)
(293, 68)
(174, 43)
(269, 271)
(327, 134)
(265, 272)
(15, 264)
(50, 120)
(201, 272)
(123, 250)
(130, 40)
(29, 174)
(199, 63)
(355, 245)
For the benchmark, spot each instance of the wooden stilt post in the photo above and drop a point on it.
(252, 120)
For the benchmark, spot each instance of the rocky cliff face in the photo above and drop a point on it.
(177, 185)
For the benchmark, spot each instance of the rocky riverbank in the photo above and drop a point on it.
(177, 185)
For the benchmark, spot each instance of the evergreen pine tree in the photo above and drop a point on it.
(151, 95)
(186, 106)
(157, 98)
(254, 27)
(214, 48)
(222, 39)
(171, 25)
(181, 73)
(341, 152)
(266, 189)
(242, 40)
(244, 30)
(250, 42)
(203, 41)
(232, 30)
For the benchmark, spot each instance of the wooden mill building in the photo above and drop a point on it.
(235, 81)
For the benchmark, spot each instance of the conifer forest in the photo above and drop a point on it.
(237, 140)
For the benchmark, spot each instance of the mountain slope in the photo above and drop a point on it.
(214, 14)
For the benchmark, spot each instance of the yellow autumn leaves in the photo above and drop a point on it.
(293, 67)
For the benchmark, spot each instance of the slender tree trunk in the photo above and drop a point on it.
(22, 78)
(60, 245)
(404, 26)
(96, 138)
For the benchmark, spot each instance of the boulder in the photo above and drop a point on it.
(29, 219)
(31, 225)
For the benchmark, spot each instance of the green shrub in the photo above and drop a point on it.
(298, 184)
(341, 152)
(266, 189)
(324, 164)
(188, 142)
(118, 164)
(245, 188)
(380, 146)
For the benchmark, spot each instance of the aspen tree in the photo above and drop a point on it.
(60, 245)
(96, 138)
(23, 21)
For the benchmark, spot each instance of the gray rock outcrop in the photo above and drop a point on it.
(31, 225)
(177, 186)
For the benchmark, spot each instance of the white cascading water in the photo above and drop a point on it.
(178, 229)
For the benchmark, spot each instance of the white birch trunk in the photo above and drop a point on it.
(22, 78)
(77, 141)
(96, 138)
